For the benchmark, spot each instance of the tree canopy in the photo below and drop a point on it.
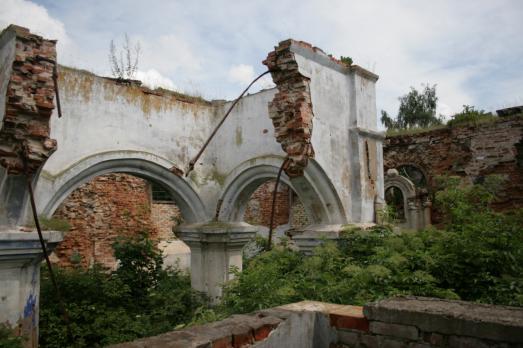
(417, 109)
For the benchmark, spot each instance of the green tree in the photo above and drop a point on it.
(417, 109)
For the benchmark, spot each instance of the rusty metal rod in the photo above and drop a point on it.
(274, 193)
(195, 159)
(44, 248)
(55, 81)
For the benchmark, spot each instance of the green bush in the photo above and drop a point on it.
(139, 299)
(7, 339)
(470, 116)
(478, 257)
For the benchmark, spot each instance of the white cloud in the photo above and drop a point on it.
(458, 45)
(242, 74)
(169, 53)
(35, 18)
(153, 79)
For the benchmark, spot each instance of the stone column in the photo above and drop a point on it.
(20, 258)
(215, 248)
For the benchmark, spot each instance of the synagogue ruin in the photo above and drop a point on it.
(118, 154)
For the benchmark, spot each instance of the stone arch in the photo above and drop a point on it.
(416, 206)
(314, 189)
(149, 168)
(416, 167)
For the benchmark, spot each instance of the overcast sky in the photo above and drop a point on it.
(471, 49)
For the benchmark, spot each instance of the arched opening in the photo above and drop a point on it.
(320, 201)
(120, 197)
(414, 174)
(117, 205)
(289, 211)
(396, 203)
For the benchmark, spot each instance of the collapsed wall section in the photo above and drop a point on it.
(27, 97)
(291, 108)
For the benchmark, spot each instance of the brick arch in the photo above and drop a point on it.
(183, 194)
(314, 190)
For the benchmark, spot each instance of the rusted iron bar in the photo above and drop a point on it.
(195, 159)
(274, 193)
(55, 82)
(61, 302)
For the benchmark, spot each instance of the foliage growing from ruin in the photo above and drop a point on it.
(346, 60)
(417, 110)
(478, 257)
(137, 300)
(52, 224)
(124, 61)
(7, 339)
(469, 115)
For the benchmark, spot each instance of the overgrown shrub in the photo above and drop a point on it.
(7, 339)
(139, 299)
(469, 115)
(478, 257)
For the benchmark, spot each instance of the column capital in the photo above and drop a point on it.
(230, 233)
(24, 247)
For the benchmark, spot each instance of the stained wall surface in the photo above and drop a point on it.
(110, 126)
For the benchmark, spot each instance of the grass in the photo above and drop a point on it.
(52, 224)
(465, 122)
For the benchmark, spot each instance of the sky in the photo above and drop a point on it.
(471, 49)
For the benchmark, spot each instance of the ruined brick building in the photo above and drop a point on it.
(96, 166)
(117, 204)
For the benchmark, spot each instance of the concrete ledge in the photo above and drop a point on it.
(387, 323)
(459, 318)
(236, 331)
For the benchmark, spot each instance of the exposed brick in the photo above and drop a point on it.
(240, 340)
(288, 206)
(30, 94)
(291, 108)
(99, 211)
(343, 321)
(348, 317)
(262, 332)
(224, 342)
(258, 211)
(470, 152)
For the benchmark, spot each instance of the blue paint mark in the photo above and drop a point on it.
(30, 305)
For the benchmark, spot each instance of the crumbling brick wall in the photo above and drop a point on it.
(99, 211)
(288, 208)
(28, 100)
(291, 108)
(258, 211)
(470, 151)
(164, 216)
